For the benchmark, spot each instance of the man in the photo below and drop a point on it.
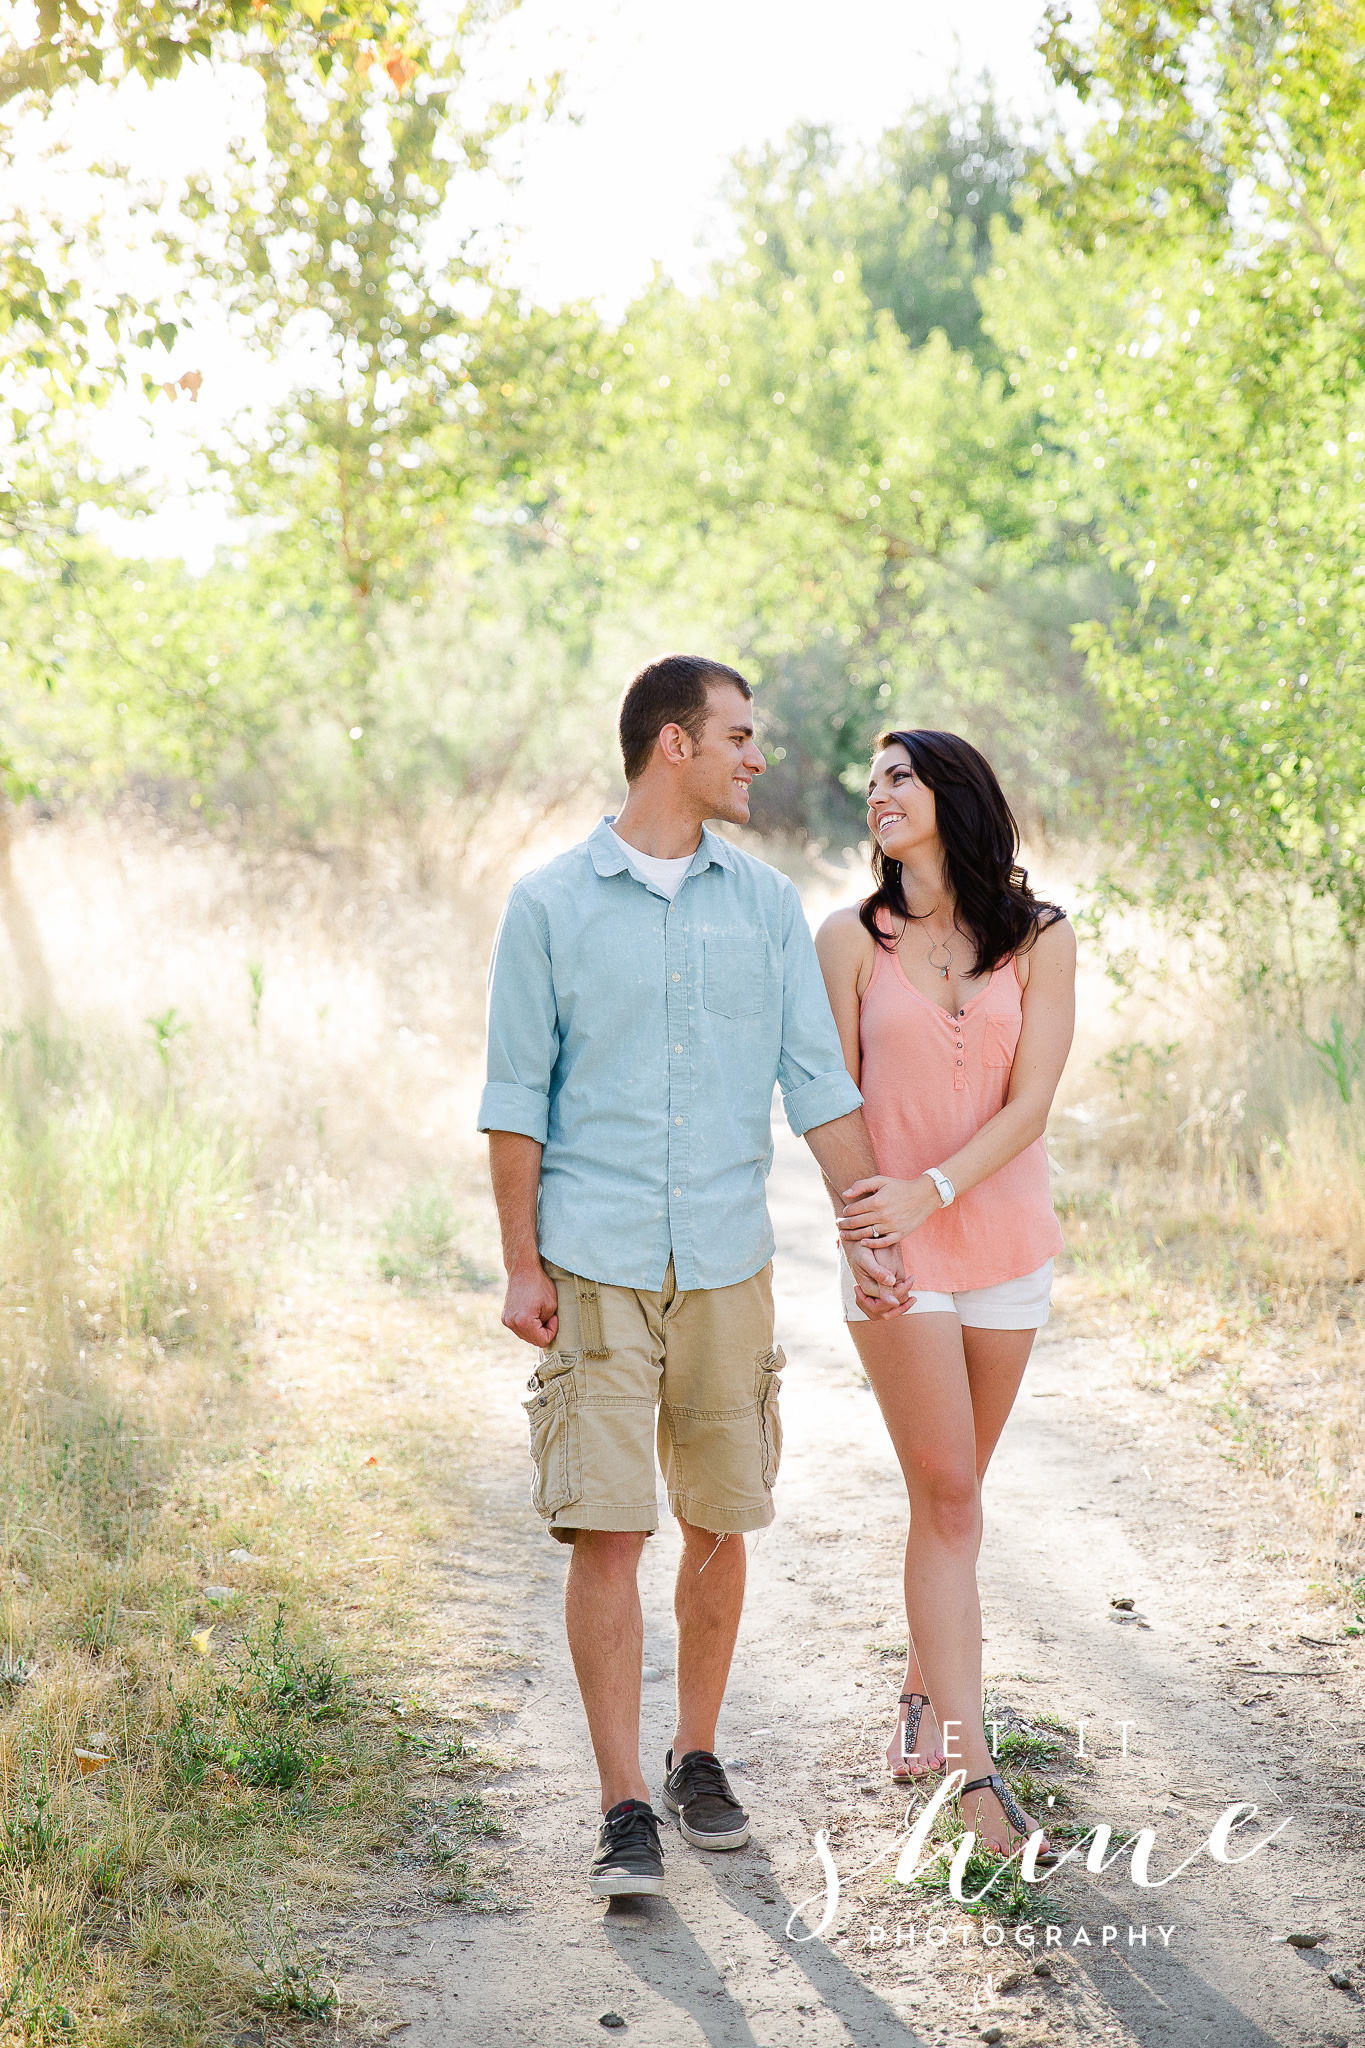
(647, 990)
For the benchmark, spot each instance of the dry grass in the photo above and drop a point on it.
(1213, 1199)
(236, 1689)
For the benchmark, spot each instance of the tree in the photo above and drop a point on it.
(100, 44)
(1206, 299)
(848, 496)
(424, 387)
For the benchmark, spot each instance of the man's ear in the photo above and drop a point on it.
(675, 744)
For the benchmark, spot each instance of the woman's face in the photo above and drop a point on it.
(900, 810)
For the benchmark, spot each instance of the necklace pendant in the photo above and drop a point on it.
(944, 972)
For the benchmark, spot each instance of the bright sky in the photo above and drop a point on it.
(667, 94)
(658, 98)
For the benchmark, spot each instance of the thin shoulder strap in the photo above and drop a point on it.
(878, 954)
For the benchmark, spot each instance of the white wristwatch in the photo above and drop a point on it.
(946, 1191)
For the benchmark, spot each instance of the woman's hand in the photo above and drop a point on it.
(882, 1210)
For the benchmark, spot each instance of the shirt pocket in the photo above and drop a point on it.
(735, 976)
(1002, 1036)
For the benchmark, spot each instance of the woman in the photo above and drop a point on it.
(954, 991)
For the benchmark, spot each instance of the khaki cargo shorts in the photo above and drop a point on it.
(704, 1360)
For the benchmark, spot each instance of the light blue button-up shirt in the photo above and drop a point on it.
(639, 1041)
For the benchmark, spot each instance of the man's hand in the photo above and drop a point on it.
(879, 1281)
(531, 1310)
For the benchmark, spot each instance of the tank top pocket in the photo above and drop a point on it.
(1001, 1037)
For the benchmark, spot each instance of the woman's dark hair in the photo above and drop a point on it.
(980, 853)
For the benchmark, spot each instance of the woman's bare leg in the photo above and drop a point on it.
(919, 1370)
(995, 1362)
(928, 1751)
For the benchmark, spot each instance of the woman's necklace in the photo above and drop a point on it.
(935, 946)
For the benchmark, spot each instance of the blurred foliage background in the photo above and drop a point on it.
(1059, 448)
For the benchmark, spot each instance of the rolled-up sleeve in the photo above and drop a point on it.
(816, 1085)
(523, 1027)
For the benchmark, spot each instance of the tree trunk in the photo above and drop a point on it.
(36, 996)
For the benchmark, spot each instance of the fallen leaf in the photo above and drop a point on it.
(372, 1460)
(201, 1639)
(90, 1760)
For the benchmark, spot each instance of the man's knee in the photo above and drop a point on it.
(708, 1543)
(609, 1553)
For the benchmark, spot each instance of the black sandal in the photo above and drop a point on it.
(1010, 1807)
(917, 1702)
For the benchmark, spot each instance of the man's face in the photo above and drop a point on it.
(725, 759)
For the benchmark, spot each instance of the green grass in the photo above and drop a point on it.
(254, 1767)
(418, 1246)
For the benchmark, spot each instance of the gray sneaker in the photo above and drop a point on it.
(699, 1793)
(628, 1861)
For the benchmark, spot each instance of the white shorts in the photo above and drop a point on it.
(1011, 1305)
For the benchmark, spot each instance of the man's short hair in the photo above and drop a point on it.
(669, 691)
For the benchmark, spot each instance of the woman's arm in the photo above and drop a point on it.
(1049, 1006)
(846, 956)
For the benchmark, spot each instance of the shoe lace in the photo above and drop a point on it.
(706, 1775)
(637, 1829)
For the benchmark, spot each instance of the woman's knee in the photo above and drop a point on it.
(948, 1497)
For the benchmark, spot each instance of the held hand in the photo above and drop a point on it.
(531, 1310)
(884, 1211)
(879, 1281)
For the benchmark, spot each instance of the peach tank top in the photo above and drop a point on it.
(929, 1082)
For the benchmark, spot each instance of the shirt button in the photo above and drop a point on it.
(958, 1063)
(677, 1048)
(678, 1119)
(677, 977)
(677, 1191)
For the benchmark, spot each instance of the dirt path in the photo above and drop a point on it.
(1099, 1490)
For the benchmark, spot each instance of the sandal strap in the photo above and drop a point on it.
(1009, 1805)
(917, 1702)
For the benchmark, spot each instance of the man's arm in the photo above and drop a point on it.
(531, 1308)
(822, 1101)
(523, 1042)
(878, 1273)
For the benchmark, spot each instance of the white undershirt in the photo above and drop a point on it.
(664, 874)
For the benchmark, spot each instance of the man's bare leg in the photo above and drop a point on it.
(606, 1637)
(708, 1601)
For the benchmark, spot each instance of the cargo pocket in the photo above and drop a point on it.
(1002, 1036)
(552, 1414)
(770, 1364)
